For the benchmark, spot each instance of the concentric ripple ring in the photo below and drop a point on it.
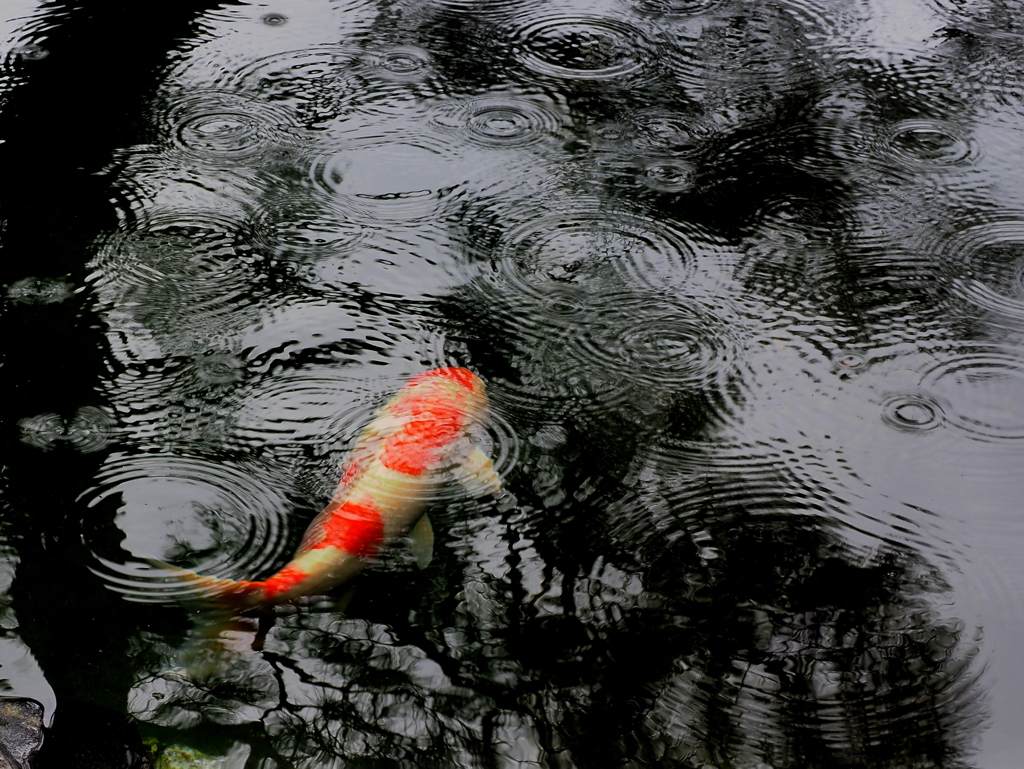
(589, 247)
(985, 266)
(214, 517)
(582, 47)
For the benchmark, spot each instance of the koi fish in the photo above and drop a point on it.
(401, 456)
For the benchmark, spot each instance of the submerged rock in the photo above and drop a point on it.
(182, 757)
(187, 757)
(21, 731)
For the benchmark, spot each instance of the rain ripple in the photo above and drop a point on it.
(985, 265)
(748, 58)
(676, 7)
(589, 247)
(217, 518)
(312, 406)
(292, 227)
(314, 84)
(923, 145)
(656, 145)
(223, 126)
(392, 179)
(502, 119)
(667, 175)
(491, 7)
(319, 84)
(582, 47)
(90, 430)
(646, 341)
(402, 63)
(688, 488)
(625, 350)
(274, 19)
(913, 412)
(984, 387)
(30, 52)
(180, 277)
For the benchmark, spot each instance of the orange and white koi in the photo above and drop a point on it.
(385, 486)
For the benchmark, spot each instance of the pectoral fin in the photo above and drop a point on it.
(422, 536)
(476, 472)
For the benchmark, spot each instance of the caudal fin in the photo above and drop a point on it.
(220, 631)
(233, 594)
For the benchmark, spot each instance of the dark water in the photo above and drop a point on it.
(746, 284)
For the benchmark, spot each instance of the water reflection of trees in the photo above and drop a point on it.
(630, 610)
(773, 647)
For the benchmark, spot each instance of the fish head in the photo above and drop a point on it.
(454, 387)
(434, 417)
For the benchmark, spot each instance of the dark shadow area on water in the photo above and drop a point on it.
(65, 112)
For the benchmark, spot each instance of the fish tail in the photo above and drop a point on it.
(237, 595)
(219, 632)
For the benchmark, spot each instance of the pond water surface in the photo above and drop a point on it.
(745, 282)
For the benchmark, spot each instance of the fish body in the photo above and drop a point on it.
(386, 483)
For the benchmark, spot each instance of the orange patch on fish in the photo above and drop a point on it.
(416, 453)
(355, 528)
(417, 446)
(283, 581)
(461, 376)
(407, 458)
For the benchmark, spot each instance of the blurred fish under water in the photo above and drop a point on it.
(420, 437)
